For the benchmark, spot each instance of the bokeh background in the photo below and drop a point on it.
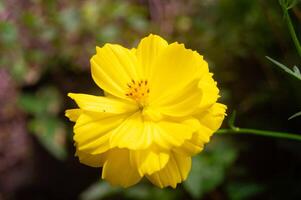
(45, 47)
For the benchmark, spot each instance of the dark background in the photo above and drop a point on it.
(45, 47)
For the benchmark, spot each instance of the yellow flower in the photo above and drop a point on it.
(159, 109)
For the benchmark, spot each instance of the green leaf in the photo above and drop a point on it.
(149, 192)
(295, 115)
(19, 69)
(209, 168)
(31, 104)
(8, 33)
(288, 4)
(99, 190)
(243, 190)
(70, 19)
(141, 191)
(90, 13)
(291, 3)
(46, 100)
(51, 134)
(295, 72)
(43, 106)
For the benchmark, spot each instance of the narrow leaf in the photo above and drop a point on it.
(295, 115)
(296, 70)
(292, 4)
(294, 73)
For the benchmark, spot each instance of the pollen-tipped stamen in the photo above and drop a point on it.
(138, 91)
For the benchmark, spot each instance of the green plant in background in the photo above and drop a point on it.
(210, 169)
(45, 44)
(237, 130)
(208, 172)
(294, 72)
(44, 105)
(38, 46)
(286, 5)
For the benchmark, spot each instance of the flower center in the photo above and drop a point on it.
(138, 91)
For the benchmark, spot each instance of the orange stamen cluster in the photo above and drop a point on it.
(138, 90)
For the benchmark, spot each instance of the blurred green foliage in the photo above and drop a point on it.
(44, 106)
(102, 190)
(209, 169)
(46, 47)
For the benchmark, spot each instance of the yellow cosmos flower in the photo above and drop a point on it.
(159, 109)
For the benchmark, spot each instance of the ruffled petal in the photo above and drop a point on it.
(118, 169)
(93, 131)
(174, 69)
(150, 160)
(132, 134)
(175, 171)
(191, 147)
(210, 121)
(159, 109)
(210, 92)
(174, 83)
(102, 104)
(147, 52)
(214, 116)
(113, 67)
(182, 103)
(170, 134)
(91, 160)
(73, 114)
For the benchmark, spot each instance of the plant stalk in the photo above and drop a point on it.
(274, 134)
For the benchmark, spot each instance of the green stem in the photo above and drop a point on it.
(237, 130)
(291, 29)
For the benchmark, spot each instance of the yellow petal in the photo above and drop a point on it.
(150, 160)
(131, 134)
(113, 67)
(174, 69)
(175, 171)
(148, 50)
(118, 169)
(93, 131)
(102, 104)
(209, 91)
(210, 121)
(169, 134)
(91, 160)
(182, 103)
(73, 114)
(191, 147)
(214, 116)
(204, 133)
